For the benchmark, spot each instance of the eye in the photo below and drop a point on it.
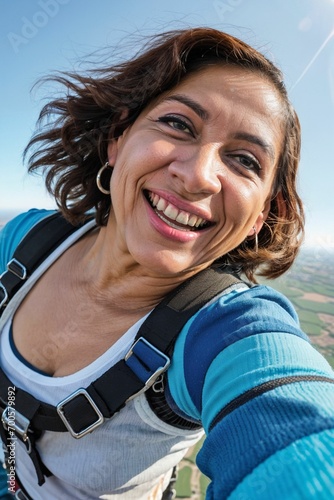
(247, 162)
(177, 123)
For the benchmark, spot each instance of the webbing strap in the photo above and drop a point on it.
(182, 303)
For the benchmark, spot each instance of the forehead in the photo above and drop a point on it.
(233, 83)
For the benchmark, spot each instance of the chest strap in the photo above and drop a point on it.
(86, 409)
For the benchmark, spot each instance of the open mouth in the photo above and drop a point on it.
(174, 217)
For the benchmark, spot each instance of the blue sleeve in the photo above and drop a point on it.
(264, 395)
(13, 232)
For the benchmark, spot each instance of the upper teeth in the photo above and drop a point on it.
(173, 213)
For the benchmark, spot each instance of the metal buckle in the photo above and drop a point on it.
(15, 267)
(18, 423)
(90, 428)
(5, 293)
(20, 495)
(150, 381)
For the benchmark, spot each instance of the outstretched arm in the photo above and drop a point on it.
(265, 397)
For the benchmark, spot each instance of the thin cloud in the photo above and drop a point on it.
(314, 58)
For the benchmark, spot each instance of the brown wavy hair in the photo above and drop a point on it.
(71, 142)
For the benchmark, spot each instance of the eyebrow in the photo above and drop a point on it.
(194, 105)
(245, 136)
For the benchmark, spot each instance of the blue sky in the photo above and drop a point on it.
(40, 36)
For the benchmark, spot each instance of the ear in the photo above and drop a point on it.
(112, 151)
(257, 226)
(113, 145)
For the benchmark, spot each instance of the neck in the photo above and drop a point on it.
(112, 277)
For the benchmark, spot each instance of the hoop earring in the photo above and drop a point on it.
(98, 178)
(256, 243)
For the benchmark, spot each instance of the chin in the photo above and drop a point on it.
(165, 265)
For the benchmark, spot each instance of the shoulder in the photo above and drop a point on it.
(235, 316)
(13, 232)
(249, 313)
(246, 310)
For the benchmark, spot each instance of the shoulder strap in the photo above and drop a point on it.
(87, 408)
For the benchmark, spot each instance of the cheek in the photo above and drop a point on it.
(244, 197)
(135, 156)
(242, 205)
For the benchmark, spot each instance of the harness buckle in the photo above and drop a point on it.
(61, 408)
(14, 422)
(20, 495)
(147, 362)
(15, 267)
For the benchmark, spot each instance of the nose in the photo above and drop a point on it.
(199, 172)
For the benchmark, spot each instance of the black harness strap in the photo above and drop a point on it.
(87, 408)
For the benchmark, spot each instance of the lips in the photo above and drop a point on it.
(173, 216)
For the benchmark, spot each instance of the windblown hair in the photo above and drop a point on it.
(98, 106)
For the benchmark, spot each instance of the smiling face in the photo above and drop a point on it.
(193, 175)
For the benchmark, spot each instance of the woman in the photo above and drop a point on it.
(187, 155)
